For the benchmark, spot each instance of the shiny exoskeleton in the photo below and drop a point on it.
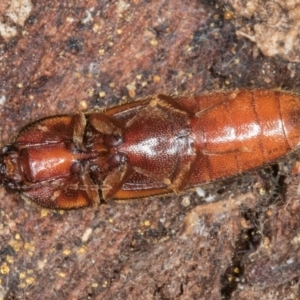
(150, 147)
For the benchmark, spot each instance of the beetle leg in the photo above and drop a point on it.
(78, 130)
(169, 102)
(115, 179)
(184, 173)
(106, 124)
(150, 174)
(87, 184)
(170, 110)
(84, 191)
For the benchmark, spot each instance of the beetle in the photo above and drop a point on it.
(153, 146)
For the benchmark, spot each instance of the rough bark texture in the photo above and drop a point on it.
(65, 56)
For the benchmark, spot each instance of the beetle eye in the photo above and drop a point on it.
(8, 149)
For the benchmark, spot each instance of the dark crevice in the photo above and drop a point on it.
(247, 242)
(273, 182)
(272, 187)
(159, 292)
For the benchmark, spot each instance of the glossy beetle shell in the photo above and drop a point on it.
(150, 147)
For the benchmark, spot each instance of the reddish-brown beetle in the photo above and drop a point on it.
(150, 147)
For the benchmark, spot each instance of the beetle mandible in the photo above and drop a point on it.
(154, 146)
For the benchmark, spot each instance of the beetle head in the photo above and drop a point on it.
(10, 175)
